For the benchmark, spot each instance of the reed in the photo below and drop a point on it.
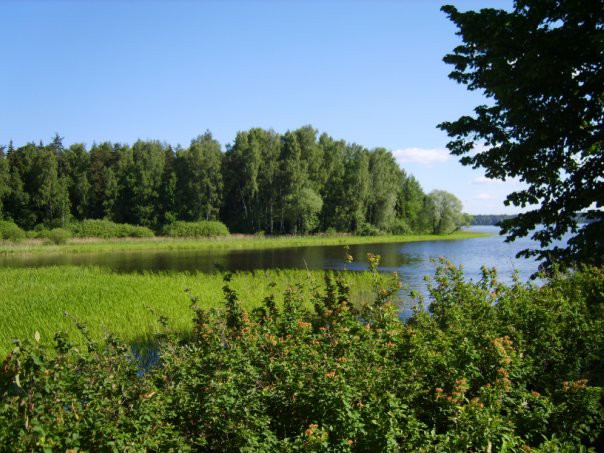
(98, 245)
(129, 305)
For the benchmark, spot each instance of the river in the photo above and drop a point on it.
(411, 260)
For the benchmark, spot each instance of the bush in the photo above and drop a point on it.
(134, 231)
(10, 231)
(203, 228)
(106, 229)
(58, 235)
(40, 231)
(331, 231)
(367, 229)
(488, 367)
(400, 227)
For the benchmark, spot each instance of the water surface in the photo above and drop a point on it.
(411, 260)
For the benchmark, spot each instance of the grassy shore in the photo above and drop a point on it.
(36, 246)
(129, 305)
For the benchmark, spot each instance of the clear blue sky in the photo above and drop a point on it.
(369, 72)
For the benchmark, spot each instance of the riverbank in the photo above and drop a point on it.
(235, 242)
(129, 305)
(479, 372)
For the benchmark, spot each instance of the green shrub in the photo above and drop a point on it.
(40, 231)
(10, 231)
(488, 367)
(58, 235)
(367, 229)
(94, 228)
(124, 230)
(400, 227)
(36, 233)
(203, 228)
(106, 229)
(331, 231)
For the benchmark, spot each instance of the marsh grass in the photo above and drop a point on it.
(91, 245)
(129, 305)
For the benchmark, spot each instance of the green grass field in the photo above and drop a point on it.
(129, 305)
(36, 299)
(224, 243)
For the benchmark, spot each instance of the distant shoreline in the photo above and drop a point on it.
(235, 242)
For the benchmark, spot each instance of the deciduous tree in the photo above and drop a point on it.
(4, 179)
(541, 66)
(76, 162)
(199, 179)
(443, 212)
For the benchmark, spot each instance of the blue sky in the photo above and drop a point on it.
(369, 72)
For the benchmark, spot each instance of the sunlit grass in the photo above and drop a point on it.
(225, 243)
(129, 305)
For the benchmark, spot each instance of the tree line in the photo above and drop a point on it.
(490, 219)
(496, 219)
(298, 182)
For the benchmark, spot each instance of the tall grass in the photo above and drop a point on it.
(129, 305)
(223, 243)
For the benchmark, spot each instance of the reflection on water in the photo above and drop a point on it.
(316, 257)
(412, 261)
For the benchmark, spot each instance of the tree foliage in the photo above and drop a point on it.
(442, 212)
(4, 181)
(298, 182)
(199, 180)
(490, 219)
(542, 67)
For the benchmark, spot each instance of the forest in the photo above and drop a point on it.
(490, 219)
(294, 183)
